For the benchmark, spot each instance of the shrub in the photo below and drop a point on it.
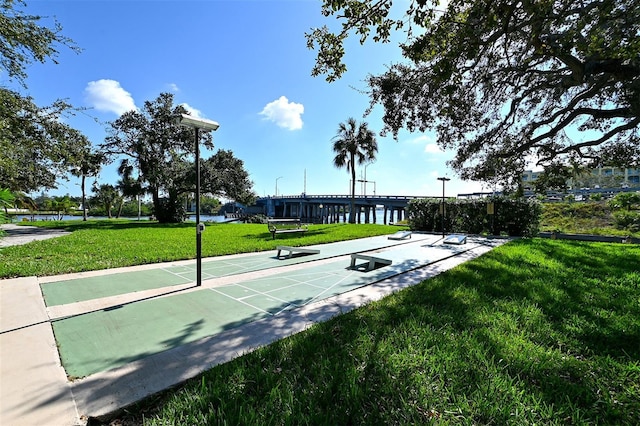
(422, 214)
(519, 217)
(628, 220)
(625, 200)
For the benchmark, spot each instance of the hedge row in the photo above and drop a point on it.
(515, 217)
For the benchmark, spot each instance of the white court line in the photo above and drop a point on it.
(316, 297)
(294, 279)
(205, 275)
(176, 274)
(225, 265)
(265, 294)
(241, 301)
(310, 282)
(244, 265)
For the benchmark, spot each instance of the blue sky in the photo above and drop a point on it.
(244, 64)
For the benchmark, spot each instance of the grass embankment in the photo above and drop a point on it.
(103, 244)
(534, 332)
(595, 218)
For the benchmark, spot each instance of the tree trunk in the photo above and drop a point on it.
(155, 199)
(352, 209)
(84, 201)
(120, 208)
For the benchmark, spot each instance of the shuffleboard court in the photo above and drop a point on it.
(110, 338)
(62, 292)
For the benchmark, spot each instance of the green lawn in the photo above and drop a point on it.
(103, 244)
(534, 332)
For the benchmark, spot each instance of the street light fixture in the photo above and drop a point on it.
(205, 125)
(280, 177)
(443, 179)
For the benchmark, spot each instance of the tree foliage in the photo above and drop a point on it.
(24, 40)
(60, 205)
(34, 143)
(107, 196)
(84, 162)
(161, 152)
(224, 175)
(6, 201)
(353, 144)
(501, 80)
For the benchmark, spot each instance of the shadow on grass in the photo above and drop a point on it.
(538, 332)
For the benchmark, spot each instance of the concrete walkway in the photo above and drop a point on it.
(22, 234)
(34, 388)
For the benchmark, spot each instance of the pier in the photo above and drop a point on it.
(335, 208)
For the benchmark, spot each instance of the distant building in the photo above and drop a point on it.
(605, 177)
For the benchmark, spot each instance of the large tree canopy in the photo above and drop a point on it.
(34, 142)
(224, 175)
(157, 147)
(161, 152)
(558, 81)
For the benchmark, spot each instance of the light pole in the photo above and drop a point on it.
(278, 178)
(206, 125)
(443, 179)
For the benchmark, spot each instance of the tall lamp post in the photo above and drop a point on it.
(443, 179)
(278, 178)
(207, 126)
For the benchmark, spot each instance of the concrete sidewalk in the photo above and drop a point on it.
(34, 388)
(22, 234)
(33, 385)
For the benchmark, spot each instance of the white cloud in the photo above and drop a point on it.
(196, 113)
(173, 87)
(108, 95)
(420, 140)
(432, 148)
(284, 113)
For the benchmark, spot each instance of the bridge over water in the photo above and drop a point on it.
(335, 208)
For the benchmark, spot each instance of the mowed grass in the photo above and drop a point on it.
(94, 245)
(534, 332)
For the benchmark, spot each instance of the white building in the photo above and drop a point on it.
(604, 177)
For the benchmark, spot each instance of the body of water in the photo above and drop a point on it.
(191, 218)
(53, 217)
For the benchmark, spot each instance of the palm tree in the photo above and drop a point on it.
(353, 144)
(130, 188)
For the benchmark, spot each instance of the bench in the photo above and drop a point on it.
(455, 239)
(283, 226)
(373, 261)
(293, 250)
(400, 235)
